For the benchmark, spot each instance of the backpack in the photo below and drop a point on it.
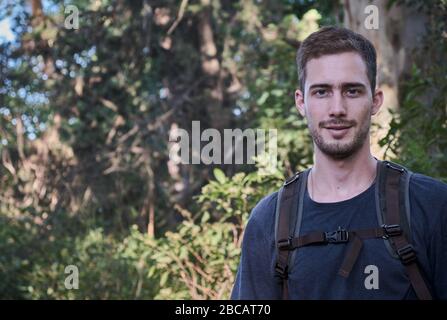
(393, 213)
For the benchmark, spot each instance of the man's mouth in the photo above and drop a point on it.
(339, 131)
(337, 127)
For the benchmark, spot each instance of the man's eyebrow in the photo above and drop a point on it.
(320, 85)
(343, 85)
(353, 84)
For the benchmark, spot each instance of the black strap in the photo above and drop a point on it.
(289, 199)
(340, 236)
(393, 212)
(351, 257)
(405, 251)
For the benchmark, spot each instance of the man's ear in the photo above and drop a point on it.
(377, 101)
(299, 102)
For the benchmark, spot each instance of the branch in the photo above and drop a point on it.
(181, 12)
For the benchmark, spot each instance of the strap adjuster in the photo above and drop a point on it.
(282, 271)
(407, 254)
(338, 236)
(285, 244)
(391, 230)
(389, 165)
(291, 179)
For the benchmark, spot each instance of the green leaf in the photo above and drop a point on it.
(219, 175)
(164, 278)
(263, 98)
(205, 217)
(277, 92)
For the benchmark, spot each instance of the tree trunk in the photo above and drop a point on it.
(394, 40)
(211, 68)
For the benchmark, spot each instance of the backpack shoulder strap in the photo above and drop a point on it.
(289, 207)
(383, 168)
(393, 199)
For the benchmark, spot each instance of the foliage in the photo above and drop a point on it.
(32, 266)
(418, 133)
(197, 261)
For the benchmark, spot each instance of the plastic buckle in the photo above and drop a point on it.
(389, 165)
(281, 271)
(338, 236)
(391, 230)
(291, 179)
(407, 254)
(285, 244)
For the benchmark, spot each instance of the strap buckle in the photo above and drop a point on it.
(281, 270)
(338, 236)
(407, 254)
(389, 165)
(291, 179)
(285, 244)
(391, 230)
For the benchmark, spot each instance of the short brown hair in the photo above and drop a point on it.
(332, 40)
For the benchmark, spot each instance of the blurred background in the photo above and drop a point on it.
(90, 92)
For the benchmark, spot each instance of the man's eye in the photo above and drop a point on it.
(353, 92)
(320, 92)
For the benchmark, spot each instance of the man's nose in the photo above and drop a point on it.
(337, 105)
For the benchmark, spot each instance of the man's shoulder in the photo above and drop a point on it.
(265, 208)
(427, 186)
(260, 224)
(428, 199)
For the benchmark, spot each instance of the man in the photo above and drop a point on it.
(338, 96)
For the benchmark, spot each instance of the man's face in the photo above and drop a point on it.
(338, 103)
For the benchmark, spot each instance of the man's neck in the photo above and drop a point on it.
(333, 180)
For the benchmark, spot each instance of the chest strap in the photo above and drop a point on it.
(338, 236)
(405, 250)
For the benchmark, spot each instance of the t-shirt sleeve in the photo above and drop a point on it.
(255, 277)
(438, 255)
(430, 198)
